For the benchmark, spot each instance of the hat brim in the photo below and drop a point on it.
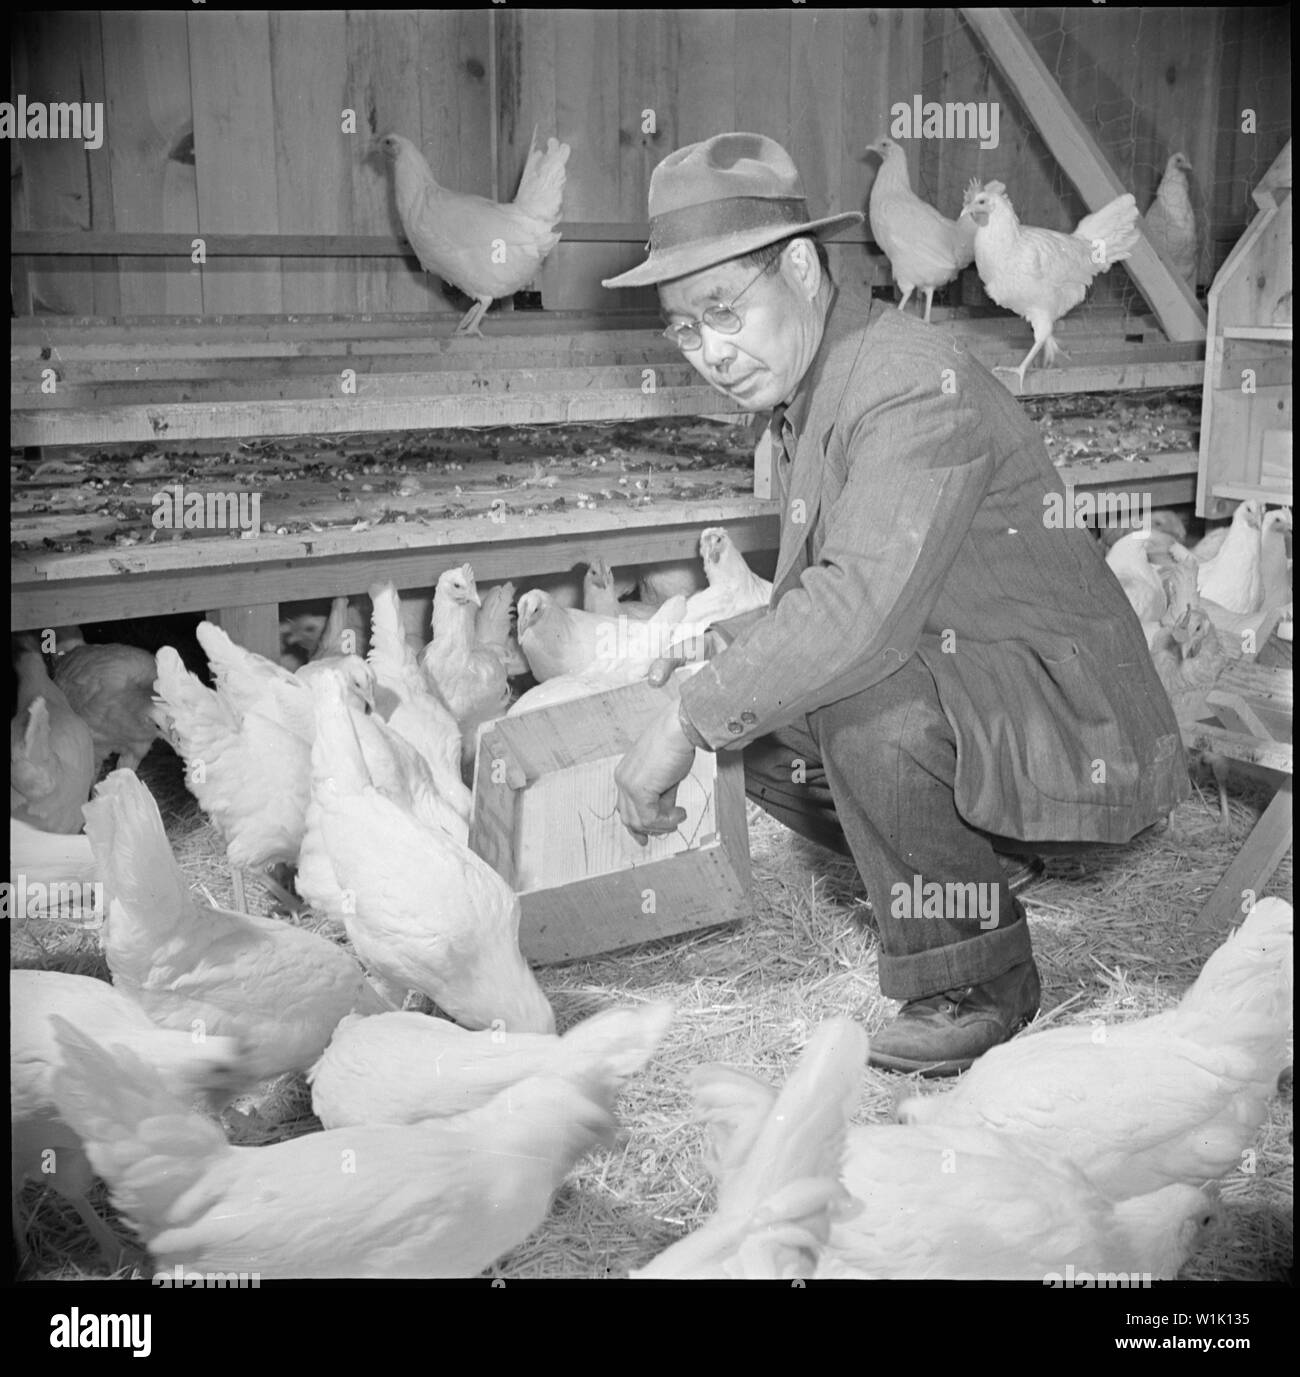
(667, 264)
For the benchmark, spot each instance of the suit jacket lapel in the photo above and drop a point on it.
(812, 413)
(802, 501)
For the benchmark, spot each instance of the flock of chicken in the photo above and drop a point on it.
(1221, 599)
(490, 249)
(445, 1138)
(1040, 274)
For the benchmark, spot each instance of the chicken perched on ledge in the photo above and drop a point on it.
(1042, 274)
(486, 248)
(925, 249)
(1171, 221)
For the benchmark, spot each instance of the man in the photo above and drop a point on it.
(940, 667)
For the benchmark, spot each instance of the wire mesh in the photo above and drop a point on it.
(1148, 82)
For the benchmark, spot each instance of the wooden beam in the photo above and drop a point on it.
(256, 627)
(112, 243)
(1084, 162)
(340, 415)
(1253, 866)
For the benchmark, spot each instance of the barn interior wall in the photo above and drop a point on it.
(232, 122)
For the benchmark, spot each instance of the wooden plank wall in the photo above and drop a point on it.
(231, 121)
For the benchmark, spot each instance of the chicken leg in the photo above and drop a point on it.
(1043, 339)
(470, 320)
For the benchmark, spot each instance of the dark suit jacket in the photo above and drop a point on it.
(913, 524)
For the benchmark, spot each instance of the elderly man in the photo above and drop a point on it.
(940, 668)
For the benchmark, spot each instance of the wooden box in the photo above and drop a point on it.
(1246, 409)
(545, 818)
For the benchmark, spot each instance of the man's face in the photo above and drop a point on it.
(761, 365)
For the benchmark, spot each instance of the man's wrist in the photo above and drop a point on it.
(689, 729)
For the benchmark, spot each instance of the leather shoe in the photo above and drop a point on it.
(942, 1034)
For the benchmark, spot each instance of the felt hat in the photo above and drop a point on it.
(719, 199)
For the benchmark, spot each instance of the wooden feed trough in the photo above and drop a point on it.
(545, 820)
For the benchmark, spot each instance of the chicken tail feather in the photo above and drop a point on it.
(143, 1141)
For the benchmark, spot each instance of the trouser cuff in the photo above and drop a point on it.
(972, 962)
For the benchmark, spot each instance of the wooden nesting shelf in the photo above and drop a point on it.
(94, 381)
(545, 820)
(1247, 427)
(173, 383)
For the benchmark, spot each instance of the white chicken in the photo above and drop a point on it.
(44, 1147)
(494, 627)
(908, 1203)
(567, 640)
(1041, 274)
(925, 249)
(485, 248)
(1232, 576)
(48, 858)
(733, 586)
(470, 678)
(1275, 564)
(403, 1067)
(110, 687)
(600, 594)
(1175, 1098)
(51, 750)
(249, 771)
(1138, 577)
(405, 701)
(279, 988)
(352, 752)
(442, 1198)
(422, 911)
(777, 1165)
(1171, 221)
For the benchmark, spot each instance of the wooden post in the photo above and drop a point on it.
(256, 628)
(1084, 162)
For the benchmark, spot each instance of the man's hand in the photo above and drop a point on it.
(719, 636)
(648, 775)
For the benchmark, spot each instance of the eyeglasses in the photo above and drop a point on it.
(722, 318)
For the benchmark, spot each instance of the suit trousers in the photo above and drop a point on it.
(872, 776)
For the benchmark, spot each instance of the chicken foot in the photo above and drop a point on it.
(469, 324)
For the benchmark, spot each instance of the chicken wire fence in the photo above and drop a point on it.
(1148, 82)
